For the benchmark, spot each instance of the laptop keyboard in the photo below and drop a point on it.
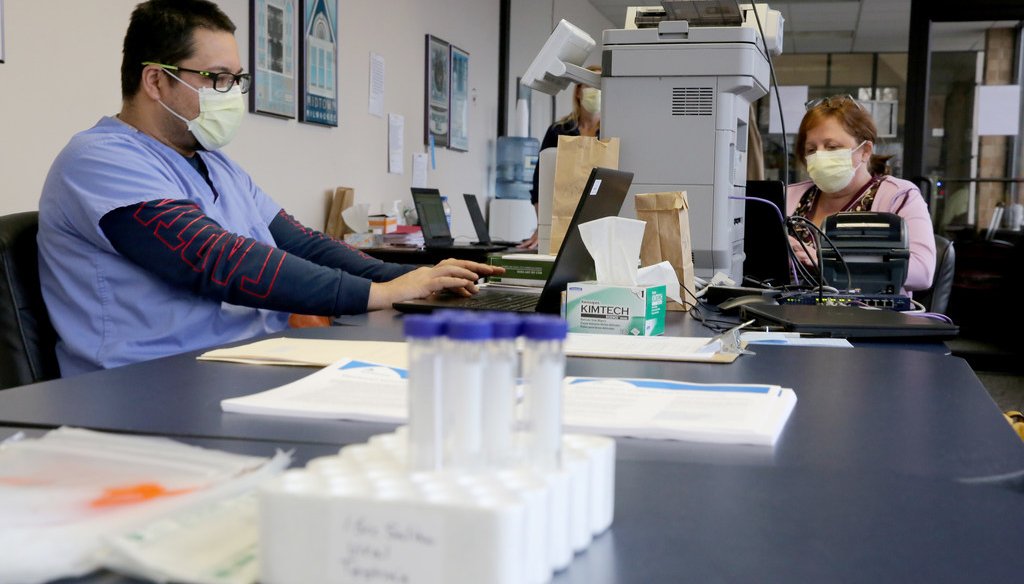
(502, 302)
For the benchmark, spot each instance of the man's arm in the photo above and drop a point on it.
(294, 237)
(177, 242)
(391, 282)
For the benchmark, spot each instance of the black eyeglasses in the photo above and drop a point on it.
(222, 82)
(833, 101)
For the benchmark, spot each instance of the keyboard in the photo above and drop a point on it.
(495, 301)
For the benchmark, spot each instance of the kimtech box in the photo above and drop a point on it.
(591, 307)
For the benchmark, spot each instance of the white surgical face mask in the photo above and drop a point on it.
(832, 170)
(590, 100)
(220, 115)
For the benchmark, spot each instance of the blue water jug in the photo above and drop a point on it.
(516, 161)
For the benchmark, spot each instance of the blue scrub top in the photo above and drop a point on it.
(108, 310)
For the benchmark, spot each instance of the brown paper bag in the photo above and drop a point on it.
(576, 157)
(667, 238)
(344, 197)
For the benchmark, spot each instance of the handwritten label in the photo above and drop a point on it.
(387, 543)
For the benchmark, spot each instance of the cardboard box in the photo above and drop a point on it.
(522, 269)
(608, 309)
(383, 223)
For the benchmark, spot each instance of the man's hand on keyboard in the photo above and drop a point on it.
(456, 276)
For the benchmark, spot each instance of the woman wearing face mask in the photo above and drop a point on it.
(583, 120)
(835, 143)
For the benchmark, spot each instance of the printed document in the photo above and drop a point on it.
(642, 408)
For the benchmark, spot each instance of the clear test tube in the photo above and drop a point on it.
(424, 336)
(499, 403)
(464, 354)
(543, 371)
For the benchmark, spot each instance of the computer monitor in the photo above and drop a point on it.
(560, 61)
(764, 233)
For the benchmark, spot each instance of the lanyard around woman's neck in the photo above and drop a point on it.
(875, 180)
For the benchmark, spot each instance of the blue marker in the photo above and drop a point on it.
(433, 158)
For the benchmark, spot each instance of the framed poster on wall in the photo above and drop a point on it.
(458, 108)
(272, 26)
(435, 115)
(318, 63)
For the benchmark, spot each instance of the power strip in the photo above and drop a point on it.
(888, 301)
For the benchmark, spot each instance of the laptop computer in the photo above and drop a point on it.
(849, 322)
(483, 233)
(436, 233)
(602, 197)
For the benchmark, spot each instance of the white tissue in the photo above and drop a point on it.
(661, 273)
(614, 243)
(357, 217)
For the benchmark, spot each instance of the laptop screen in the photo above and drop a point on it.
(431, 215)
(602, 197)
(479, 223)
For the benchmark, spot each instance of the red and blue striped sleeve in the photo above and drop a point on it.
(178, 243)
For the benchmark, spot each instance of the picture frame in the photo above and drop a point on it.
(272, 27)
(458, 108)
(436, 85)
(318, 62)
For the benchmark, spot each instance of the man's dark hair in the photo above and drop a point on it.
(161, 31)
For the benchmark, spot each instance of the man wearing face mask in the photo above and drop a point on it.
(835, 143)
(583, 120)
(152, 242)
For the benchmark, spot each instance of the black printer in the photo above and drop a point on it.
(875, 247)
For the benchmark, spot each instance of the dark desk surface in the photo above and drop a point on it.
(913, 412)
(860, 488)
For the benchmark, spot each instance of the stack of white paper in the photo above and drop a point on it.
(649, 408)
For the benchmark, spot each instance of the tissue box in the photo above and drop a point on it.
(591, 307)
(364, 239)
(522, 269)
(383, 223)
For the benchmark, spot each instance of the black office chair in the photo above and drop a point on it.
(936, 298)
(27, 338)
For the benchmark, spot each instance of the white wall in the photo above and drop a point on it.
(62, 75)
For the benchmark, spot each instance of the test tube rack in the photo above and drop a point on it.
(362, 516)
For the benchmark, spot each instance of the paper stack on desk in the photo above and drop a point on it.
(323, 352)
(405, 235)
(310, 352)
(675, 410)
(642, 408)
